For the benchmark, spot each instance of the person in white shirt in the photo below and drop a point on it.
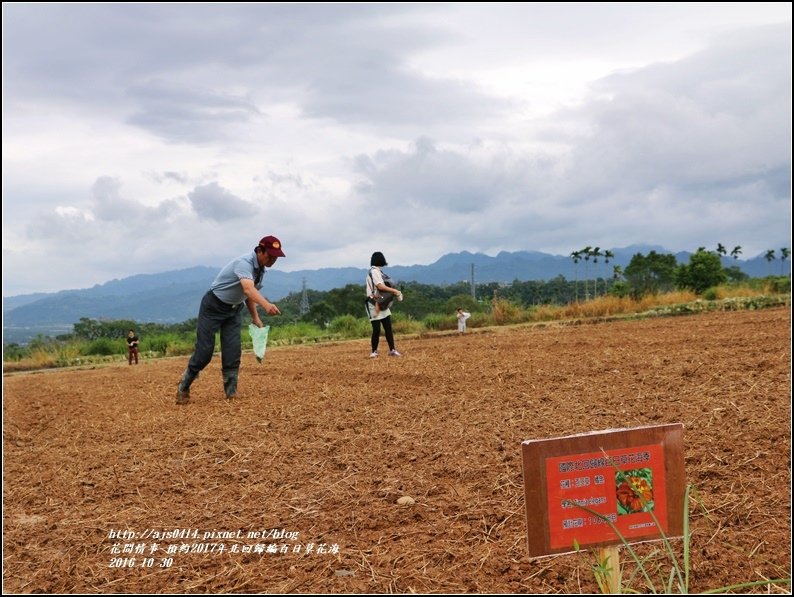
(378, 310)
(462, 317)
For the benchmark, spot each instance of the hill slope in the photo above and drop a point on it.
(174, 296)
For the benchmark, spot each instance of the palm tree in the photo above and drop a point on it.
(607, 256)
(736, 252)
(784, 254)
(596, 253)
(576, 256)
(617, 272)
(587, 252)
(770, 256)
(721, 249)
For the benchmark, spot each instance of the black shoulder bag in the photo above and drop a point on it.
(383, 298)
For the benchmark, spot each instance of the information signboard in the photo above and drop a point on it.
(632, 477)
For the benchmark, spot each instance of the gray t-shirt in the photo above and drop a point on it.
(226, 285)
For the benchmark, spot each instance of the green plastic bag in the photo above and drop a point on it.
(259, 338)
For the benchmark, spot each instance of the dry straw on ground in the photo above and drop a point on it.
(324, 441)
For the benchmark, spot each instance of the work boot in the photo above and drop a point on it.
(182, 396)
(230, 383)
(183, 389)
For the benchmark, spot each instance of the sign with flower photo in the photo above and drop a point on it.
(590, 489)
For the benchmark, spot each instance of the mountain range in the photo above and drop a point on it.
(172, 297)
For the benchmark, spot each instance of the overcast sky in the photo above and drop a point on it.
(143, 138)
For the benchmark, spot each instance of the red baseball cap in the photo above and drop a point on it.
(272, 246)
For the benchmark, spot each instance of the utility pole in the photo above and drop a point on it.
(473, 294)
(304, 306)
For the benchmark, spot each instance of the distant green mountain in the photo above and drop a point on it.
(173, 297)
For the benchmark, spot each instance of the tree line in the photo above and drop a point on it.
(660, 272)
(432, 305)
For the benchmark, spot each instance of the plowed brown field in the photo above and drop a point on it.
(109, 487)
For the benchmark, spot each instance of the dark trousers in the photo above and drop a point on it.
(132, 353)
(387, 330)
(215, 315)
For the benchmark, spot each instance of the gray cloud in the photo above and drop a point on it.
(105, 209)
(696, 148)
(165, 177)
(427, 177)
(213, 202)
(278, 179)
(188, 115)
(334, 61)
(383, 93)
(337, 126)
(709, 119)
(107, 202)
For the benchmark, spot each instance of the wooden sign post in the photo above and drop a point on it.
(631, 477)
(609, 558)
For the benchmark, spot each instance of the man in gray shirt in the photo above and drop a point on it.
(221, 310)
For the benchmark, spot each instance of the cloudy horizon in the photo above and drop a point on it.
(145, 138)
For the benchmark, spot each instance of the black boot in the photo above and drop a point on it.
(230, 383)
(183, 389)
